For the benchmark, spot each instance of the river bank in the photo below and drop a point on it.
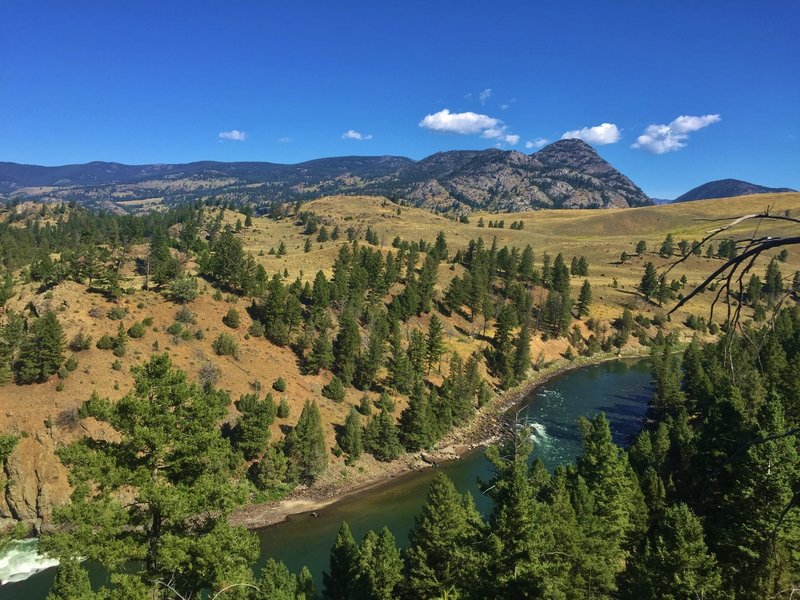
(485, 428)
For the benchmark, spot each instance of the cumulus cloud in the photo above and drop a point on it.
(485, 95)
(599, 135)
(660, 139)
(352, 134)
(537, 143)
(234, 135)
(469, 123)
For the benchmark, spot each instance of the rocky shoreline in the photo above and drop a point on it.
(485, 428)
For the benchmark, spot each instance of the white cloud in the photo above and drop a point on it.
(605, 133)
(537, 143)
(485, 95)
(469, 123)
(285, 140)
(660, 139)
(465, 123)
(352, 134)
(234, 135)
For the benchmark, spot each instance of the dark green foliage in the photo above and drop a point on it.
(41, 352)
(251, 433)
(80, 342)
(667, 246)
(279, 385)
(305, 444)
(225, 345)
(271, 471)
(649, 282)
(381, 437)
(71, 582)
(232, 319)
(380, 567)
(416, 421)
(434, 342)
(345, 348)
(321, 356)
(334, 390)
(340, 581)
(350, 440)
(584, 299)
(283, 409)
(137, 330)
(176, 469)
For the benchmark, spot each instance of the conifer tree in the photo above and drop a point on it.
(649, 281)
(252, 429)
(401, 371)
(340, 581)
(381, 566)
(434, 343)
(351, 438)
(522, 353)
(71, 583)
(676, 563)
(381, 437)
(321, 356)
(584, 299)
(345, 348)
(41, 352)
(305, 444)
(415, 421)
(443, 558)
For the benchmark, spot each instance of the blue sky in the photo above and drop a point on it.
(143, 82)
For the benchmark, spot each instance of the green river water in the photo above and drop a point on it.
(620, 389)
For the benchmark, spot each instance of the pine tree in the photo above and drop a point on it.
(345, 347)
(41, 353)
(381, 437)
(641, 247)
(442, 558)
(434, 343)
(667, 246)
(649, 281)
(340, 582)
(71, 582)
(401, 370)
(351, 438)
(415, 421)
(252, 429)
(676, 563)
(584, 299)
(522, 353)
(381, 568)
(306, 444)
(321, 356)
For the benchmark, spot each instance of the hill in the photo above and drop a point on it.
(727, 188)
(47, 412)
(565, 174)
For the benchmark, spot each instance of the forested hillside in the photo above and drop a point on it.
(185, 363)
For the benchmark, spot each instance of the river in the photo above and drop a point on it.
(620, 389)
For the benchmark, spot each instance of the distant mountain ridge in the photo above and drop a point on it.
(565, 174)
(727, 188)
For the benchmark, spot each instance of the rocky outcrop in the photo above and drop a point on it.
(36, 482)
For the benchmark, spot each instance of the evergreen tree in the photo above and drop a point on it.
(584, 299)
(174, 467)
(401, 370)
(676, 563)
(71, 582)
(641, 247)
(305, 444)
(522, 353)
(667, 246)
(415, 421)
(381, 437)
(381, 568)
(321, 356)
(41, 353)
(649, 281)
(345, 348)
(252, 429)
(442, 558)
(340, 581)
(351, 439)
(434, 343)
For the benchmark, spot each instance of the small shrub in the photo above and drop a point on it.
(385, 402)
(209, 374)
(184, 315)
(136, 331)
(105, 343)
(199, 334)
(225, 345)
(217, 295)
(279, 385)
(283, 409)
(256, 329)
(147, 321)
(80, 342)
(116, 365)
(117, 313)
(96, 312)
(175, 329)
(334, 390)
(71, 363)
(232, 319)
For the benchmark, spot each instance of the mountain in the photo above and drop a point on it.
(727, 188)
(565, 174)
